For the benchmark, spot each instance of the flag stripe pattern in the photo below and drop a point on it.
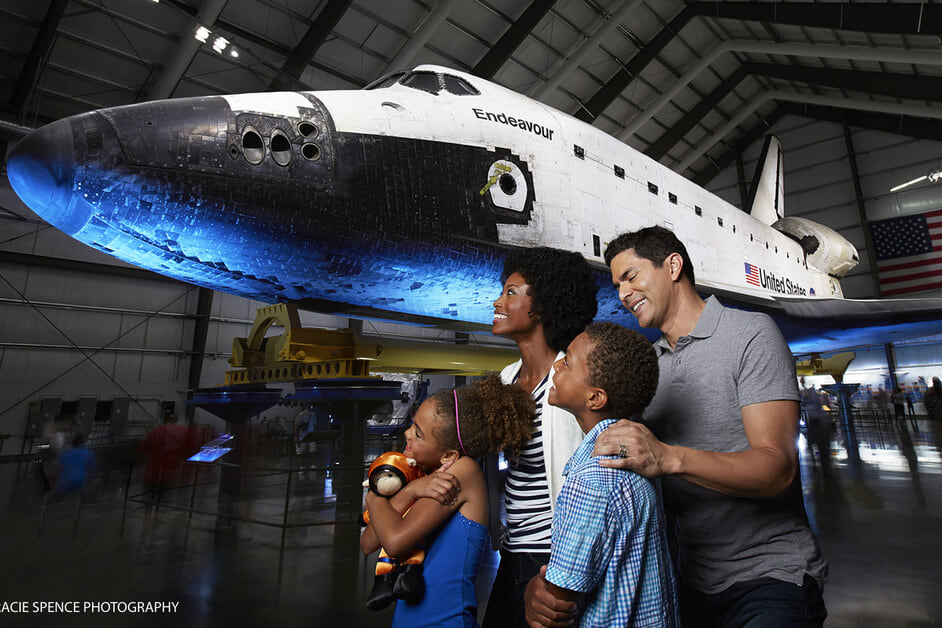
(909, 253)
(752, 274)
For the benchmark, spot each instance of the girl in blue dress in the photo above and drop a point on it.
(450, 431)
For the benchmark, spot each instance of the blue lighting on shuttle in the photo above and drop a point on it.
(147, 218)
(375, 225)
(204, 218)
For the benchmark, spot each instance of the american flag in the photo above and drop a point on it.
(752, 274)
(909, 253)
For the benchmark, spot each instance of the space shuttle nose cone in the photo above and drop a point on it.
(41, 169)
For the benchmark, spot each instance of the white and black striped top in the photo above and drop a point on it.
(526, 493)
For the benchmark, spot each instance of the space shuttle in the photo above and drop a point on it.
(401, 200)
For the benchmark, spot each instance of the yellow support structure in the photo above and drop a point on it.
(297, 354)
(833, 366)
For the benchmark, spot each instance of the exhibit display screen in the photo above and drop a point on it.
(214, 449)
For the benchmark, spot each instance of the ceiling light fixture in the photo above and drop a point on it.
(202, 33)
(934, 177)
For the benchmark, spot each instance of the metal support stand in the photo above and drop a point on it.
(352, 401)
(189, 514)
(235, 405)
(844, 392)
(890, 351)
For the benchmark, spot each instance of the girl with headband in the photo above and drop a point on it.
(450, 430)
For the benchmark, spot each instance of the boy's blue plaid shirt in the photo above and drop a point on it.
(609, 542)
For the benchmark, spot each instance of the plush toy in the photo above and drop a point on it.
(396, 579)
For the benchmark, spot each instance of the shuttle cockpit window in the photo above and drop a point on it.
(386, 81)
(458, 86)
(426, 81)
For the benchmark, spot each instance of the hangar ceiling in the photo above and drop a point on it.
(691, 84)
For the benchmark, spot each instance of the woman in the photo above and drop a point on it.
(547, 300)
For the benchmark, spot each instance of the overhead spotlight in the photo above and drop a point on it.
(934, 177)
(909, 183)
(233, 52)
(202, 34)
(219, 44)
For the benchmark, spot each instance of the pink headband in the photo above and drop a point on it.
(457, 426)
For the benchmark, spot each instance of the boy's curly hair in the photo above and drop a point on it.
(562, 287)
(493, 416)
(623, 363)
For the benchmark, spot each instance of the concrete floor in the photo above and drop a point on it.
(878, 522)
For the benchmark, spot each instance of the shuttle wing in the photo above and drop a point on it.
(829, 325)
(875, 310)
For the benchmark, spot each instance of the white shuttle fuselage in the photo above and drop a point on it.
(588, 186)
(400, 201)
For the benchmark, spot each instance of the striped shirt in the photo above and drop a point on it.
(526, 493)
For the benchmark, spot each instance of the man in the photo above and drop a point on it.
(722, 434)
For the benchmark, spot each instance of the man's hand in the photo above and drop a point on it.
(544, 609)
(441, 486)
(637, 449)
(765, 470)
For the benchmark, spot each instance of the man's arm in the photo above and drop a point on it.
(550, 606)
(764, 470)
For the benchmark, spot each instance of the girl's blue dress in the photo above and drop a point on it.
(453, 554)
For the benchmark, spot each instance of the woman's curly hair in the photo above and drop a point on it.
(492, 416)
(563, 289)
(623, 363)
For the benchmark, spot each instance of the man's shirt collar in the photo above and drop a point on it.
(706, 325)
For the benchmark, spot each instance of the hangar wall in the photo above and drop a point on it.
(913, 361)
(54, 347)
(819, 185)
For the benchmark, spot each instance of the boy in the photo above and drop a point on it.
(609, 551)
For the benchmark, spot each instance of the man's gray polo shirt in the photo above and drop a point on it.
(731, 359)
